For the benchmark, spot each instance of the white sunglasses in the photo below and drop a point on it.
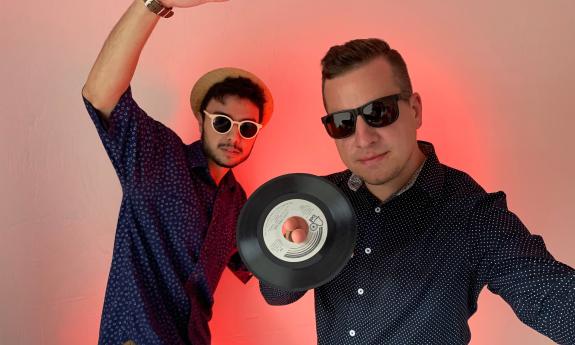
(223, 124)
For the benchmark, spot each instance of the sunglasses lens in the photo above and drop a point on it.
(340, 125)
(248, 130)
(380, 113)
(222, 124)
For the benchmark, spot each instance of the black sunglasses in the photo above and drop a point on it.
(378, 113)
(223, 124)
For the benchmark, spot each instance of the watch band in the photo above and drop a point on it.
(159, 9)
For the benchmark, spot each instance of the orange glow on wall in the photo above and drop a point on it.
(495, 79)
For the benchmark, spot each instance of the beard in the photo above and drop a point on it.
(213, 155)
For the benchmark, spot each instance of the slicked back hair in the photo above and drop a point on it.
(343, 58)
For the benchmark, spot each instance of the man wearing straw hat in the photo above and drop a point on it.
(176, 229)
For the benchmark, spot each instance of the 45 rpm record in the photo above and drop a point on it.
(310, 202)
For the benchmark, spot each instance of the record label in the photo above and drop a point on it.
(284, 249)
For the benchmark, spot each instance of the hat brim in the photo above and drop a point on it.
(204, 84)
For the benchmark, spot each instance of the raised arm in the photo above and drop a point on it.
(117, 61)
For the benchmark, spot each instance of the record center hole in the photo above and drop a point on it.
(295, 229)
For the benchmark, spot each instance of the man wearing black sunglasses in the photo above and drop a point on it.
(429, 237)
(176, 229)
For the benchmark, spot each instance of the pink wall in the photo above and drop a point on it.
(496, 80)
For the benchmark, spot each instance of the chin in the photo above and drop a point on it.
(227, 164)
(376, 179)
(231, 163)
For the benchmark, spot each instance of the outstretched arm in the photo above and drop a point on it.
(117, 61)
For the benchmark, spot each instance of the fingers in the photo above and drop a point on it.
(295, 229)
(291, 223)
(298, 235)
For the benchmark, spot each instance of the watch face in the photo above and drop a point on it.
(157, 7)
(154, 6)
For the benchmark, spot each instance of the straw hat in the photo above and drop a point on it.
(209, 79)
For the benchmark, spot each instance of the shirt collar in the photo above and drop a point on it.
(431, 177)
(196, 156)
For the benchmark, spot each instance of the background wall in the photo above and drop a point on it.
(496, 78)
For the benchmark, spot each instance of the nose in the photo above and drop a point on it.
(234, 133)
(365, 135)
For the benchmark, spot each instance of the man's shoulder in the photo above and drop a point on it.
(460, 188)
(458, 182)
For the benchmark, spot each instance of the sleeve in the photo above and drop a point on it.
(138, 146)
(517, 266)
(236, 265)
(235, 262)
(277, 296)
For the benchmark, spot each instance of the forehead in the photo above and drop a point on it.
(235, 107)
(360, 85)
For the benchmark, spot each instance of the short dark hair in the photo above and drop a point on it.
(236, 86)
(343, 58)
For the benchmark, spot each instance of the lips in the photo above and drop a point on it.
(372, 158)
(231, 149)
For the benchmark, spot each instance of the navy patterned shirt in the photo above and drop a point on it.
(422, 258)
(175, 233)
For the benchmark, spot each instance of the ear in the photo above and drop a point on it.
(200, 119)
(417, 107)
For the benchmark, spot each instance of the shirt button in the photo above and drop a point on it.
(360, 291)
(367, 250)
(352, 333)
(377, 209)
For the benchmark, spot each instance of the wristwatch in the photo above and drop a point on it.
(159, 9)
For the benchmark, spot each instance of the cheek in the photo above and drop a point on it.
(210, 137)
(205, 132)
(399, 132)
(343, 147)
(247, 145)
(408, 132)
(408, 122)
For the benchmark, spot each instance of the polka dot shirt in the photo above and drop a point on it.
(422, 258)
(175, 232)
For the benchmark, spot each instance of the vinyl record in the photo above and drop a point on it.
(314, 204)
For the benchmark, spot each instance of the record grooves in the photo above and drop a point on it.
(280, 262)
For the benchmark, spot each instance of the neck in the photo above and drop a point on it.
(386, 190)
(217, 171)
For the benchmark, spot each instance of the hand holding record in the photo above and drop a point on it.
(295, 229)
(296, 232)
